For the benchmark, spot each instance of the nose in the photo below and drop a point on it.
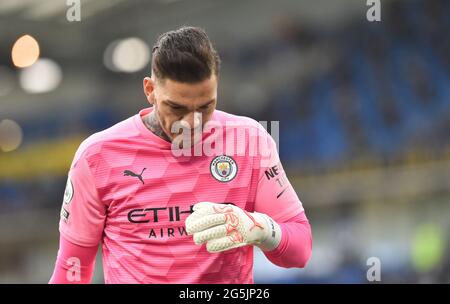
(194, 119)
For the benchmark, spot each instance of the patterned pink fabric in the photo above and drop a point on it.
(127, 190)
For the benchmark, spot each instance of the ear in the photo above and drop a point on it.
(149, 87)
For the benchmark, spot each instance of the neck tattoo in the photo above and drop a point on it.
(152, 123)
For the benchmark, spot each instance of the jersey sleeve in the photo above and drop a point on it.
(82, 213)
(275, 195)
(74, 264)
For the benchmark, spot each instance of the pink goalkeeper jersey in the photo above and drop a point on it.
(128, 190)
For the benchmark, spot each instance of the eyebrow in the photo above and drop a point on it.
(174, 103)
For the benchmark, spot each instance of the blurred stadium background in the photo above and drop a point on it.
(364, 111)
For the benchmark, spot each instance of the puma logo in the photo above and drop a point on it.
(131, 173)
(255, 223)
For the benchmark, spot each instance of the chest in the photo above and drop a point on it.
(157, 187)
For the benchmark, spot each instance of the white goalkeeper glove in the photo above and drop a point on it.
(225, 226)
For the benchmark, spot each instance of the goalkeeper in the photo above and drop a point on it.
(165, 217)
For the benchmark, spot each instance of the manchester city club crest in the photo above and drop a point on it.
(68, 193)
(223, 168)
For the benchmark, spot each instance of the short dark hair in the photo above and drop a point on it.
(185, 55)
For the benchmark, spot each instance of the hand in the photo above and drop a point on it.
(225, 226)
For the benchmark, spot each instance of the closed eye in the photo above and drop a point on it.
(206, 106)
(176, 107)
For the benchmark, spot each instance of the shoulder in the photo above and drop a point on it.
(118, 134)
(232, 120)
(258, 139)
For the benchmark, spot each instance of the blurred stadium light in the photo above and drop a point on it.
(10, 135)
(25, 51)
(127, 55)
(43, 76)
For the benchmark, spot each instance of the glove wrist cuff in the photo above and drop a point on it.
(272, 234)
